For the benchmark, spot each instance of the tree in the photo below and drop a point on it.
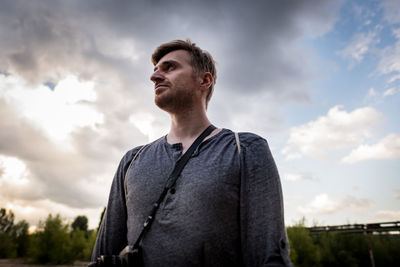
(52, 244)
(81, 223)
(78, 243)
(21, 238)
(6, 221)
(7, 244)
(303, 250)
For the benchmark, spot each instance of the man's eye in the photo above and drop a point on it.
(169, 67)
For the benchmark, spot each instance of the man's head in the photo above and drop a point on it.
(201, 61)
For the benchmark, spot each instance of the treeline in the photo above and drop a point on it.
(342, 249)
(56, 242)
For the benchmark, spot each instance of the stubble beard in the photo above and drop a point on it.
(174, 100)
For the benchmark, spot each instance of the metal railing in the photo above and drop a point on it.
(382, 227)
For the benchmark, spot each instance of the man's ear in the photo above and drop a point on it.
(207, 80)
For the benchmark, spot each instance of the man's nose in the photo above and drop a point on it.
(156, 76)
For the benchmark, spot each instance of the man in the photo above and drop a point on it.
(225, 208)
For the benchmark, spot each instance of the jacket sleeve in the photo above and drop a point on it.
(263, 233)
(112, 235)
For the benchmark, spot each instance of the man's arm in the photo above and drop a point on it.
(263, 233)
(112, 236)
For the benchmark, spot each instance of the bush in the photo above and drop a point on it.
(21, 238)
(8, 248)
(52, 243)
(342, 249)
(302, 248)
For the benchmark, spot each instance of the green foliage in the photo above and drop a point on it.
(91, 240)
(52, 243)
(8, 234)
(303, 250)
(21, 238)
(79, 243)
(339, 249)
(386, 249)
(81, 223)
(82, 243)
(59, 243)
(55, 244)
(7, 246)
(6, 221)
(82, 239)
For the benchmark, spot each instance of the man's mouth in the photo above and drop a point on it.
(158, 87)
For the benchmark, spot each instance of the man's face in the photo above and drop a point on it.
(175, 83)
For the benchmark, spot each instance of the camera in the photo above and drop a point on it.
(128, 257)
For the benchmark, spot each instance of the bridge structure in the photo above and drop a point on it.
(369, 228)
(366, 229)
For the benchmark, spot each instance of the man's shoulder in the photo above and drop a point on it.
(248, 139)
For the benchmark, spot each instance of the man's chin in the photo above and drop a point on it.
(162, 102)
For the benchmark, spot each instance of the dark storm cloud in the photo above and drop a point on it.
(257, 45)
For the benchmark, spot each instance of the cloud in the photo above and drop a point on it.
(257, 47)
(44, 41)
(359, 46)
(107, 44)
(339, 129)
(322, 204)
(73, 175)
(386, 148)
(371, 92)
(391, 10)
(67, 106)
(389, 92)
(387, 215)
(397, 195)
(389, 62)
(35, 211)
(297, 176)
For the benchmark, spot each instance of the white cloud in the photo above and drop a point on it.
(322, 204)
(386, 148)
(359, 46)
(58, 112)
(13, 171)
(35, 211)
(339, 129)
(73, 175)
(388, 215)
(389, 92)
(394, 78)
(389, 63)
(297, 176)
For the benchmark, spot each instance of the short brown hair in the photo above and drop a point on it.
(202, 61)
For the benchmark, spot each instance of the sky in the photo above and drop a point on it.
(320, 80)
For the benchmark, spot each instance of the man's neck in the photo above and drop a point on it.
(186, 127)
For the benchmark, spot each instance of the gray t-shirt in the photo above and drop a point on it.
(226, 208)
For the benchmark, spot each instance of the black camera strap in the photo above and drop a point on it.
(179, 165)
